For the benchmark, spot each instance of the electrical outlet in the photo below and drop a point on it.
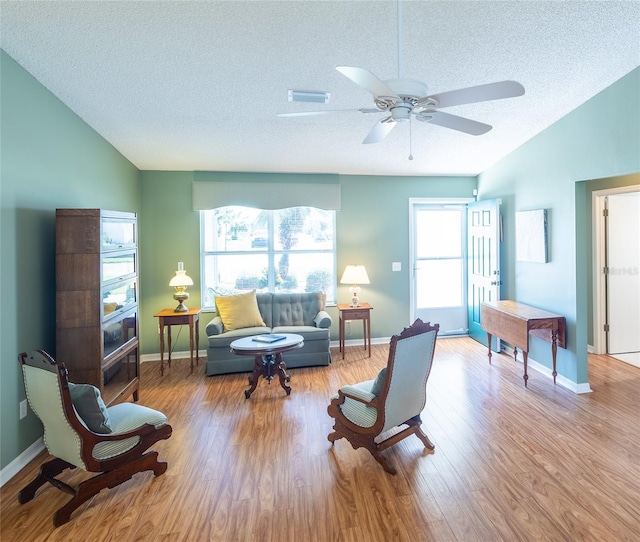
(396, 266)
(23, 409)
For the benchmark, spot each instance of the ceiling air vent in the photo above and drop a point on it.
(309, 96)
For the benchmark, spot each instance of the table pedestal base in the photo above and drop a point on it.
(268, 366)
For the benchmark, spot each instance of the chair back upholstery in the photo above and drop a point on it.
(404, 394)
(43, 382)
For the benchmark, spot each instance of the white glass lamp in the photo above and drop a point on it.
(180, 283)
(355, 275)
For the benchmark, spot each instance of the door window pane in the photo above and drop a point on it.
(439, 284)
(439, 233)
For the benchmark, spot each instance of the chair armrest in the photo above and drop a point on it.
(140, 431)
(322, 319)
(357, 394)
(214, 327)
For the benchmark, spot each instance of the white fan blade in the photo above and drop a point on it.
(326, 112)
(367, 81)
(380, 130)
(481, 93)
(461, 124)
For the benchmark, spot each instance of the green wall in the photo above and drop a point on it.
(372, 229)
(49, 158)
(597, 140)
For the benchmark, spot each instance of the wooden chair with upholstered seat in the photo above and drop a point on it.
(116, 448)
(367, 413)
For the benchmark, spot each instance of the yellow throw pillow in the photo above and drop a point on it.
(239, 311)
(109, 308)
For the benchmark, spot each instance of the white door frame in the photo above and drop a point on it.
(599, 297)
(412, 256)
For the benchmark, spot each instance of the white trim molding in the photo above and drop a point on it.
(21, 461)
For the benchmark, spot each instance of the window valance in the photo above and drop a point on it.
(265, 195)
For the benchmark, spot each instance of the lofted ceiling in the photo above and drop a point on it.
(196, 85)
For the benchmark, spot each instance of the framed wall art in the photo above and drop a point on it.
(531, 236)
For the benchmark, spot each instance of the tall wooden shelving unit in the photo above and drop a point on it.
(97, 300)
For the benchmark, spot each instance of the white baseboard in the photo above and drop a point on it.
(360, 342)
(546, 371)
(202, 354)
(21, 461)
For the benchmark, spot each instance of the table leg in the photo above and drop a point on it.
(554, 351)
(161, 347)
(197, 324)
(268, 366)
(369, 334)
(364, 332)
(191, 344)
(342, 336)
(258, 371)
(525, 356)
(170, 348)
(489, 346)
(281, 369)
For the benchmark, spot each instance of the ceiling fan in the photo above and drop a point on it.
(404, 99)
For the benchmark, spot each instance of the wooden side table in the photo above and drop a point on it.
(168, 318)
(363, 312)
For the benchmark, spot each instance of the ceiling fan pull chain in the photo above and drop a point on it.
(410, 139)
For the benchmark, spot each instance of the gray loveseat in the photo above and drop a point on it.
(303, 314)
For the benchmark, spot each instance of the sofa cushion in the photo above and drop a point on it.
(296, 309)
(225, 339)
(308, 333)
(239, 311)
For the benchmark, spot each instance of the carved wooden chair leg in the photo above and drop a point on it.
(415, 423)
(89, 488)
(382, 460)
(48, 472)
(425, 439)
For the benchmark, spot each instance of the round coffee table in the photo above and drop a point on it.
(268, 358)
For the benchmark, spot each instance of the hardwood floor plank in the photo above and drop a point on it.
(510, 463)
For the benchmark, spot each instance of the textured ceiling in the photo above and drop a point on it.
(196, 85)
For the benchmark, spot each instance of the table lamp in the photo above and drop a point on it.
(180, 283)
(354, 274)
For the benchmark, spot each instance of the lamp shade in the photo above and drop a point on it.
(181, 279)
(354, 274)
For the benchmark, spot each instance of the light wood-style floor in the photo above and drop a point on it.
(510, 463)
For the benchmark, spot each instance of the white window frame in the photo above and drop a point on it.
(272, 255)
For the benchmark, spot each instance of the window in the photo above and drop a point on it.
(285, 250)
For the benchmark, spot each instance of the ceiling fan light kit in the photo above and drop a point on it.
(309, 96)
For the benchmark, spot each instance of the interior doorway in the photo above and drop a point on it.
(616, 317)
